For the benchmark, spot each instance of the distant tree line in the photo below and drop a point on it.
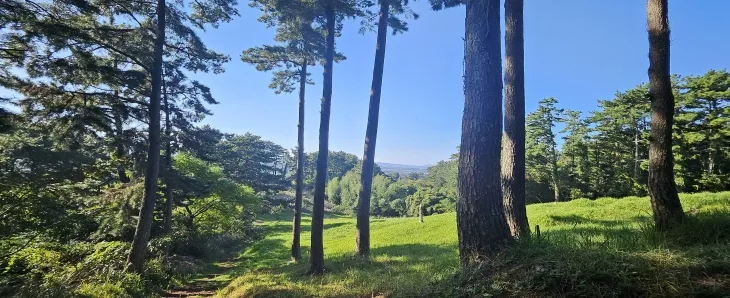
(606, 152)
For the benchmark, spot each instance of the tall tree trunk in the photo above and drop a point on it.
(119, 137)
(317, 246)
(513, 151)
(296, 253)
(168, 165)
(135, 259)
(481, 223)
(637, 162)
(662, 188)
(554, 170)
(362, 237)
(118, 111)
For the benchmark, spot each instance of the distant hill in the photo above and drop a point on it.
(390, 168)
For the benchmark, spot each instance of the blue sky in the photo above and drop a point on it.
(577, 51)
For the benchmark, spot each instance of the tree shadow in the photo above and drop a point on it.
(578, 219)
(287, 227)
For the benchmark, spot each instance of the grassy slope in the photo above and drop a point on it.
(408, 255)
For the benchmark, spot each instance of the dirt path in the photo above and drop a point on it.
(207, 282)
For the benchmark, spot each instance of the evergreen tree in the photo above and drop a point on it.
(513, 147)
(541, 149)
(662, 187)
(702, 132)
(574, 157)
(481, 222)
(135, 259)
(333, 11)
(388, 16)
(301, 46)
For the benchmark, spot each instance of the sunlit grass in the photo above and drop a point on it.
(408, 256)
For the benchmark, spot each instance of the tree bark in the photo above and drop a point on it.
(662, 188)
(362, 237)
(481, 223)
(296, 253)
(513, 154)
(169, 200)
(317, 246)
(135, 259)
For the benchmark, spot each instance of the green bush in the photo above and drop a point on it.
(80, 270)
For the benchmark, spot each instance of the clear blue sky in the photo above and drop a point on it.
(577, 51)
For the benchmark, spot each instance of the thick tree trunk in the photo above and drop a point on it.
(169, 200)
(362, 237)
(662, 188)
(317, 246)
(296, 253)
(481, 223)
(513, 150)
(135, 259)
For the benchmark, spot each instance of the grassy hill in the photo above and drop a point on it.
(602, 247)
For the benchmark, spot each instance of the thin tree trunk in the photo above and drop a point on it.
(135, 259)
(637, 162)
(118, 111)
(317, 245)
(554, 164)
(662, 188)
(481, 223)
(362, 237)
(168, 165)
(513, 150)
(119, 137)
(296, 253)
(420, 212)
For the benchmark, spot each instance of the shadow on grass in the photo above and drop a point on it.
(691, 261)
(396, 270)
(578, 219)
(287, 227)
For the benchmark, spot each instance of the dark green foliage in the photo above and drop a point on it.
(606, 153)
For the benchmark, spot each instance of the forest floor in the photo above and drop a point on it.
(207, 281)
(604, 247)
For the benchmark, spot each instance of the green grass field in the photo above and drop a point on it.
(602, 247)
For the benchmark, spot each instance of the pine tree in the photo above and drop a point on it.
(541, 150)
(481, 222)
(702, 132)
(362, 238)
(513, 147)
(334, 11)
(135, 259)
(302, 46)
(662, 188)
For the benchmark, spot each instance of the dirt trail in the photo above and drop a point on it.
(207, 282)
